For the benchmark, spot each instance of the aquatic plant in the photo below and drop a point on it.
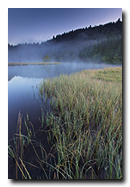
(17, 152)
(88, 132)
(84, 128)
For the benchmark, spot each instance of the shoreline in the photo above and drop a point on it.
(32, 63)
(83, 128)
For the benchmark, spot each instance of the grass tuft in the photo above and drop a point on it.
(84, 127)
(89, 125)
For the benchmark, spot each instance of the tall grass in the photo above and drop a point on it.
(20, 141)
(88, 132)
(84, 128)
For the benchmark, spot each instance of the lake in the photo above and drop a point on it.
(23, 96)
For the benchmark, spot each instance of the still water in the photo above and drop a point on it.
(23, 95)
(44, 71)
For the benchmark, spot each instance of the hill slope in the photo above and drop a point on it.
(99, 43)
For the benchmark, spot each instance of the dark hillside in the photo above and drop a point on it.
(98, 43)
(90, 33)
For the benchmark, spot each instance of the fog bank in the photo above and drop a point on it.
(66, 51)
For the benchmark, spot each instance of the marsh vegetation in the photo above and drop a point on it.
(83, 129)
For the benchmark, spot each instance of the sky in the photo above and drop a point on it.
(34, 25)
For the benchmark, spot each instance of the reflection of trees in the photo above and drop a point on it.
(46, 58)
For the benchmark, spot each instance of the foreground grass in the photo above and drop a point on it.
(88, 122)
(34, 63)
(109, 74)
(85, 125)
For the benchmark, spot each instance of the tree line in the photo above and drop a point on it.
(106, 47)
(108, 51)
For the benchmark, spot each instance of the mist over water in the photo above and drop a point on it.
(23, 96)
(66, 51)
(74, 46)
(49, 71)
(24, 81)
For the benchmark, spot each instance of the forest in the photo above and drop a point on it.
(101, 43)
(108, 51)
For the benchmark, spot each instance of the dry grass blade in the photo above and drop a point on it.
(25, 168)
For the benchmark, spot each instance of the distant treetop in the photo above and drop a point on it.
(95, 32)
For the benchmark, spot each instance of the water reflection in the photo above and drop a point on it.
(23, 93)
(44, 71)
(23, 96)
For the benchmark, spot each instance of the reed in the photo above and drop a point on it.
(17, 152)
(18, 143)
(90, 122)
(84, 128)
